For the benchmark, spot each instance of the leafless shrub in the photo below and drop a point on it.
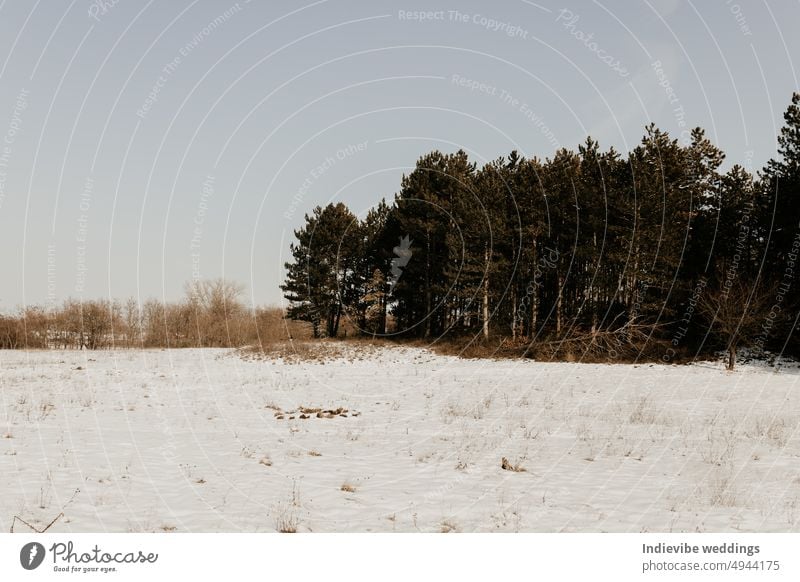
(643, 412)
(17, 518)
(32, 527)
(722, 492)
(772, 429)
(211, 315)
(625, 343)
(736, 312)
(792, 507)
(455, 409)
(719, 447)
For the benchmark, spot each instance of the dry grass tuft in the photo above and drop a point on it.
(448, 526)
(285, 519)
(722, 492)
(506, 465)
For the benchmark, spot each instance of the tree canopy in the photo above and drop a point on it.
(583, 243)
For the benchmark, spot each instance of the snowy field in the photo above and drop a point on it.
(404, 440)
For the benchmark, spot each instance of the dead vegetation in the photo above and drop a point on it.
(212, 314)
(286, 520)
(33, 527)
(307, 412)
(507, 465)
(44, 529)
(294, 351)
(448, 526)
(628, 343)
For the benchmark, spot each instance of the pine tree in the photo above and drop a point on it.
(423, 214)
(587, 243)
(661, 206)
(779, 226)
(324, 277)
(780, 204)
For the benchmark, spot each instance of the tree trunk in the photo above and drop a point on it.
(486, 297)
(731, 356)
(514, 314)
(382, 322)
(632, 291)
(336, 320)
(329, 323)
(559, 303)
(428, 285)
(534, 294)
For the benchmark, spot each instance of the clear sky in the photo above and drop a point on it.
(146, 143)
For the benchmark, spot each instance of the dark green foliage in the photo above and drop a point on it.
(327, 273)
(585, 243)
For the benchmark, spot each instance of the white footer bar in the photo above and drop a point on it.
(375, 557)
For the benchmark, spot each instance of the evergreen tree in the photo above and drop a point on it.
(324, 277)
(779, 228)
(587, 243)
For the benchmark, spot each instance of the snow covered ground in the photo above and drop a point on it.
(193, 440)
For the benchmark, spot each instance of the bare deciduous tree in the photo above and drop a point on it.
(216, 308)
(133, 323)
(95, 324)
(211, 316)
(736, 310)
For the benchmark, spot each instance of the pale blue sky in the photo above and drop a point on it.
(104, 190)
